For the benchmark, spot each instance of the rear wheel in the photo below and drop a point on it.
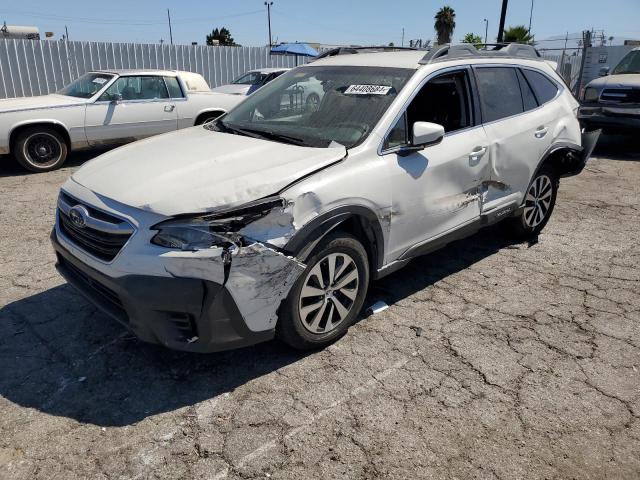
(538, 204)
(40, 149)
(328, 296)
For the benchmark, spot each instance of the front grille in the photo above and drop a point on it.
(103, 235)
(621, 95)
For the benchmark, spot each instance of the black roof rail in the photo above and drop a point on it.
(350, 50)
(500, 50)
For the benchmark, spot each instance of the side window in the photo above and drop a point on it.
(398, 134)
(137, 88)
(174, 87)
(528, 98)
(544, 88)
(444, 100)
(500, 95)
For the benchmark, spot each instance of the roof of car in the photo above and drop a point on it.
(401, 59)
(269, 70)
(141, 71)
(414, 59)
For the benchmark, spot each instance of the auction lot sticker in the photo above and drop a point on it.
(367, 90)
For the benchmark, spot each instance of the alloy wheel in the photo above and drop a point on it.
(328, 293)
(538, 201)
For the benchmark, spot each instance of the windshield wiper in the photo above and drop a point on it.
(238, 131)
(261, 134)
(276, 136)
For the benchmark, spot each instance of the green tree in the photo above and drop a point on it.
(475, 40)
(223, 35)
(445, 24)
(518, 34)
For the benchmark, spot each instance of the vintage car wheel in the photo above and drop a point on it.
(313, 102)
(328, 296)
(538, 204)
(40, 149)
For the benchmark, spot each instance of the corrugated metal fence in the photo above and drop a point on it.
(30, 67)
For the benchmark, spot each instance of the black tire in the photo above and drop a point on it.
(207, 117)
(297, 332)
(540, 199)
(40, 149)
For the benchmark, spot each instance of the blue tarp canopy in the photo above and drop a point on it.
(301, 49)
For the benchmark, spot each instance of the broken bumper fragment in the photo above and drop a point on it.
(210, 300)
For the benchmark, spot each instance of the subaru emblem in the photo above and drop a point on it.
(78, 216)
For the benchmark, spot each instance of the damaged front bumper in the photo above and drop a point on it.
(210, 300)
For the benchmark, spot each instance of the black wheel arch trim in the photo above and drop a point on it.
(314, 231)
(577, 157)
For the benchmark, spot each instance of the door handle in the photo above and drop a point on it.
(541, 132)
(169, 108)
(476, 155)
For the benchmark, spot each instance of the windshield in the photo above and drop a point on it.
(86, 86)
(315, 106)
(250, 78)
(629, 64)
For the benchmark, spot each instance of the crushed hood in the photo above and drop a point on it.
(196, 170)
(613, 81)
(42, 101)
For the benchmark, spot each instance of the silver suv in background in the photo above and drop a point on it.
(273, 219)
(612, 102)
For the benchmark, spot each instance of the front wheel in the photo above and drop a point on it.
(328, 296)
(538, 204)
(40, 149)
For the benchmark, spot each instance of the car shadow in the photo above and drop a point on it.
(9, 167)
(618, 147)
(61, 356)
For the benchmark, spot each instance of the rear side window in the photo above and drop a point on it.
(499, 92)
(528, 98)
(174, 87)
(544, 88)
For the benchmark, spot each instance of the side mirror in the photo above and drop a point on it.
(426, 133)
(116, 98)
(604, 71)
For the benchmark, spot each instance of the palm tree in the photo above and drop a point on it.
(445, 23)
(518, 34)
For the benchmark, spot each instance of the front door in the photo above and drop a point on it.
(133, 107)
(436, 190)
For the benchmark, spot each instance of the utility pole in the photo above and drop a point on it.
(503, 15)
(402, 44)
(530, 17)
(486, 30)
(170, 32)
(269, 4)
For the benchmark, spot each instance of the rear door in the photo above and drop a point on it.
(515, 146)
(145, 109)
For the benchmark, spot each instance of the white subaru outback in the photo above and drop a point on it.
(273, 219)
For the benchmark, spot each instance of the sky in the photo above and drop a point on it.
(363, 22)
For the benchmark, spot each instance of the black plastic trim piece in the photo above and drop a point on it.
(317, 228)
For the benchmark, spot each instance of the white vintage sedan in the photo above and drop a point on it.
(105, 108)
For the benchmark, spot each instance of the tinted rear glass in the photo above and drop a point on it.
(544, 88)
(499, 92)
(528, 98)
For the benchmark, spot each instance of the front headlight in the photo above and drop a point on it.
(212, 230)
(590, 94)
